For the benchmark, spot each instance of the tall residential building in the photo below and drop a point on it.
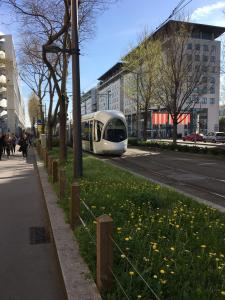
(204, 117)
(12, 114)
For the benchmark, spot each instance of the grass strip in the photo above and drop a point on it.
(177, 244)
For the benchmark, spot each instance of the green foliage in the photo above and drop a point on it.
(162, 232)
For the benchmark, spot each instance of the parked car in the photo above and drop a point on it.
(193, 137)
(214, 137)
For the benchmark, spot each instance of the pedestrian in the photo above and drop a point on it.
(13, 144)
(8, 144)
(2, 143)
(23, 143)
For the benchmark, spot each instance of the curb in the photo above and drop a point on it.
(78, 282)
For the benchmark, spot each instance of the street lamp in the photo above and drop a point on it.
(77, 145)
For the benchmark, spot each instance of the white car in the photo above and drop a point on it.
(214, 137)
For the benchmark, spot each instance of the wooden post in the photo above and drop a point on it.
(62, 184)
(104, 252)
(74, 205)
(54, 171)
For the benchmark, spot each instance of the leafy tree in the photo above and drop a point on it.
(182, 76)
(33, 110)
(141, 65)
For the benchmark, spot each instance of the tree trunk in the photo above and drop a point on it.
(175, 131)
(145, 124)
(49, 138)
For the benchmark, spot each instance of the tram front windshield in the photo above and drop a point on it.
(115, 131)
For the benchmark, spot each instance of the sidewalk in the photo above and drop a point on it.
(29, 266)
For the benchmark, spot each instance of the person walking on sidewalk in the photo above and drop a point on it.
(23, 145)
(8, 144)
(13, 144)
(2, 144)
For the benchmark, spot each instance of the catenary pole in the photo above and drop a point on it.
(77, 147)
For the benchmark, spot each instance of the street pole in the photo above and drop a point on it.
(77, 146)
(138, 136)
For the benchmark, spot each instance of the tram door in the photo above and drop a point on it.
(91, 134)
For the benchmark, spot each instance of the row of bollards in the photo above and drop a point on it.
(104, 228)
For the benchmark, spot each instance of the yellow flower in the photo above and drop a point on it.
(223, 293)
(94, 222)
(139, 296)
(203, 246)
(123, 256)
(163, 281)
(172, 248)
(119, 228)
(162, 271)
(131, 273)
(126, 239)
(155, 276)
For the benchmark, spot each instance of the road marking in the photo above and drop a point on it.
(221, 180)
(205, 164)
(217, 194)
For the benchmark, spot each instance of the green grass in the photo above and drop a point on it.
(176, 244)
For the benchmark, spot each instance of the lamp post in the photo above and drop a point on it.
(77, 146)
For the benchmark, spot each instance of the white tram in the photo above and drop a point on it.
(104, 132)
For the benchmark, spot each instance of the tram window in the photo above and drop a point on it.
(98, 133)
(85, 131)
(115, 131)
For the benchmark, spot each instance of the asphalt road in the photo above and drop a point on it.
(198, 175)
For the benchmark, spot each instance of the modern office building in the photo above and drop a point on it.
(202, 47)
(89, 101)
(12, 115)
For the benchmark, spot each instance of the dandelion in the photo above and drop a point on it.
(119, 228)
(155, 276)
(163, 281)
(162, 271)
(131, 273)
(94, 222)
(123, 256)
(203, 246)
(126, 239)
(171, 272)
(172, 248)
(139, 296)
(93, 206)
(223, 293)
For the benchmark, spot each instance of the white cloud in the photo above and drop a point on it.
(205, 11)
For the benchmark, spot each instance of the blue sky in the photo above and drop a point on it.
(118, 29)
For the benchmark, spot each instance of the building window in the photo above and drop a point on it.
(212, 100)
(212, 90)
(212, 79)
(205, 48)
(197, 57)
(212, 59)
(189, 46)
(204, 100)
(205, 58)
(197, 46)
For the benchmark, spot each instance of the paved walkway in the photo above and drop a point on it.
(28, 264)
